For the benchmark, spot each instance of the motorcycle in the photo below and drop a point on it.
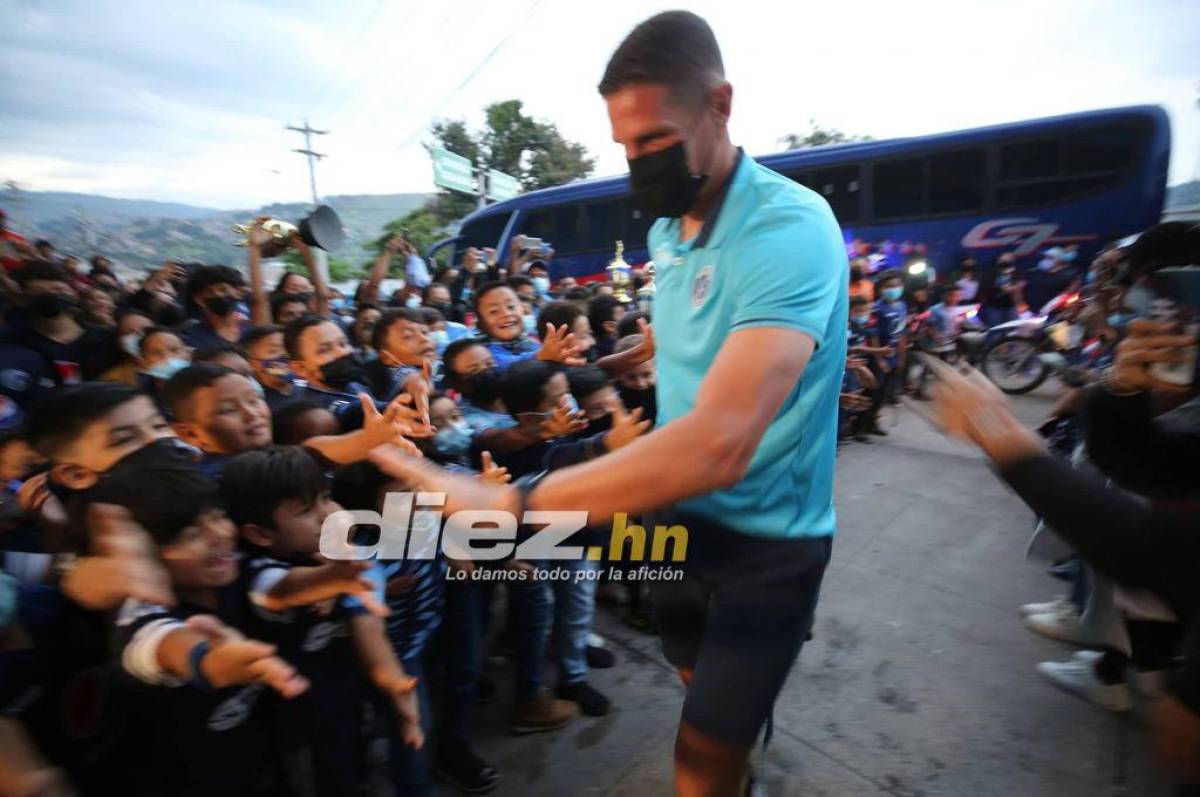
(1019, 355)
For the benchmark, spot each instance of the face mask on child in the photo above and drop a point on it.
(168, 368)
(892, 294)
(453, 439)
(861, 319)
(541, 284)
(529, 322)
(131, 343)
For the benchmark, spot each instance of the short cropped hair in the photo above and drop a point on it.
(586, 380)
(559, 314)
(522, 386)
(180, 388)
(256, 482)
(256, 333)
(295, 329)
(413, 315)
(58, 420)
(676, 49)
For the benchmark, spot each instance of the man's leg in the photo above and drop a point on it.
(758, 615)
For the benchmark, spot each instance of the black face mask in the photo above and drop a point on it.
(483, 388)
(52, 305)
(645, 399)
(598, 426)
(341, 372)
(662, 186)
(220, 305)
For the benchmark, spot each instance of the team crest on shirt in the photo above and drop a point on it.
(702, 287)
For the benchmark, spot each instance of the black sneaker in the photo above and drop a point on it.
(600, 658)
(590, 702)
(465, 771)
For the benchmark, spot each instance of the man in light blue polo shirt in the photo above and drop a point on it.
(750, 320)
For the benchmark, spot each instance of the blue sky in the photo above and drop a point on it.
(188, 101)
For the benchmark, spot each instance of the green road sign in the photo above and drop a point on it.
(453, 171)
(502, 186)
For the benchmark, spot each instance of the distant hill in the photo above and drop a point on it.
(1184, 195)
(141, 234)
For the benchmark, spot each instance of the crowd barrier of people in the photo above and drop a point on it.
(171, 448)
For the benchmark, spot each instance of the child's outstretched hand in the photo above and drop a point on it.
(493, 473)
(644, 351)
(559, 345)
(308, 586)
(626, 426)
(562, 422)
(232, 659)
(125, 567)
(402, 688)
(400, 419)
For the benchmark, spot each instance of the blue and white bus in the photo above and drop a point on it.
(1084, 178)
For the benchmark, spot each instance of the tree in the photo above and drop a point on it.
(532, 150)
(818, 136)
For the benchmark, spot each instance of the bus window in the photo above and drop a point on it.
(603, 228)
(539, 223)
(1106, 149)
(805, 179)
(1029, 159)
(566, 238)
(956, 181)
(482, 232)
(637, 227)
(1045, 192)
(899, 188)
(839, 186)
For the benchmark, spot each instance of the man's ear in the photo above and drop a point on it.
(256, 535)
(189, 433)
(74, 477)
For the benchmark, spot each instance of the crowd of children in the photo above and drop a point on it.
(169, 623)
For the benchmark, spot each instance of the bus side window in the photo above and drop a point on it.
(957, 181)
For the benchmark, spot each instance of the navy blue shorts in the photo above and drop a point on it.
(737, 619)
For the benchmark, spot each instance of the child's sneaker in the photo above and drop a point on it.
(465, 771)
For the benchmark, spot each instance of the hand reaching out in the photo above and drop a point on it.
(232, 659)
(562, 422)
(493, 473)
(559, 345)
(626, 426)
(402, 688)
(126, 565)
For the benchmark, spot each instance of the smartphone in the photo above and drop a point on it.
(533, 243)
(544, 249)
(1176, 300)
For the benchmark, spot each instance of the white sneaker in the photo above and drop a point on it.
(1062, 626)
(1050, 607)
(1079, 678)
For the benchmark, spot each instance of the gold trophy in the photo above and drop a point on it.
(322, 228)
(619, 273)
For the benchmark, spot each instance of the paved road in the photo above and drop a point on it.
(920, 679)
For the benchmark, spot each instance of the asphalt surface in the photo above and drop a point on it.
(919, 680)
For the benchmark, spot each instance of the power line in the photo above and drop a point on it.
(474, 72)
(312, 156)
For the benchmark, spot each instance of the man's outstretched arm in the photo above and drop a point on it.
(707, 449)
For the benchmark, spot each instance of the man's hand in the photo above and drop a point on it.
(559, 345)
(1177, 739)
(126, 565)
(394, 244)
(1147, 342)
(462, 491)
(626, 426)
(493, 473)
(257, 235)
(419, 385)
(233, 659)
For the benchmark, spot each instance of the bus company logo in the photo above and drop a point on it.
(1026, 233)
(411, 526)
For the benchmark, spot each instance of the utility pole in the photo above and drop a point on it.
(312, 156)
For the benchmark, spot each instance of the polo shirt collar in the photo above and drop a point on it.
(713, 216)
